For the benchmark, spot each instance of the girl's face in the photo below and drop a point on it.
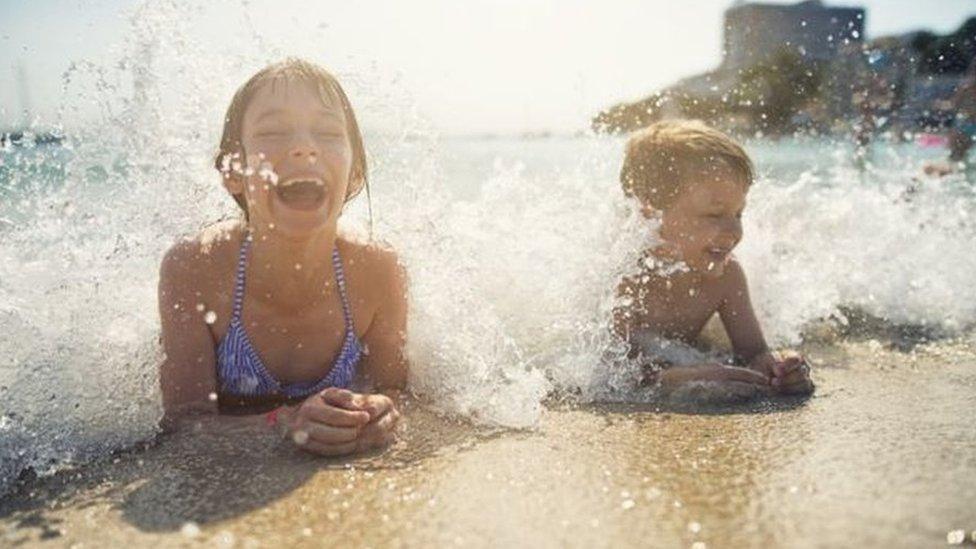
(298, 158)
(705, 222)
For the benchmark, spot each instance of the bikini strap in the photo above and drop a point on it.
(239, 280)
(341, 283)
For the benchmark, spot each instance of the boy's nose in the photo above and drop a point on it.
(732, 230)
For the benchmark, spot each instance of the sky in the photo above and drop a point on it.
(467, 66)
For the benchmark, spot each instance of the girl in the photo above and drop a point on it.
(279, 311)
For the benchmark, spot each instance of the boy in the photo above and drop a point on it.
(696, 178)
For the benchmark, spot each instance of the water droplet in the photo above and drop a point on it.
(298, 266)
(210, 317)
(307, 532)
(225, 539)
(200, 307)
(271, 226)
(694, 527)
(268, 174)
(698, 545)
(628, 504)
(300, 437)
(212, 396)
(190, 529)
(956, 537)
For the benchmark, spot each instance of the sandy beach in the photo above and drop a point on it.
(883, 455)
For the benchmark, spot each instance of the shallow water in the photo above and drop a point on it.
(882, 455)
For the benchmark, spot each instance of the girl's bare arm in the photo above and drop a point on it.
(385, 364)
(187, 375)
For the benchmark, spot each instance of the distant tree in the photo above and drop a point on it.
(949, 54)
(777, 89)
(625, 117)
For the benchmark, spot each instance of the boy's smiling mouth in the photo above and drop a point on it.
(717, 254)
(301, 193)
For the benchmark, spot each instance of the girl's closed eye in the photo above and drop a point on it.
(271, 133)
(329, 133)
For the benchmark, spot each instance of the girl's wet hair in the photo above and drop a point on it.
(230, 159)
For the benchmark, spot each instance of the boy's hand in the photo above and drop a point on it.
(791, 376)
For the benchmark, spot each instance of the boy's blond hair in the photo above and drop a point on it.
(663, 157)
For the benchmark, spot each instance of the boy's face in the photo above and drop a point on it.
(300, 157)
(705, 222)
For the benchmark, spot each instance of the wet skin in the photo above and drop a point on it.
(294, 174)
(701, 229)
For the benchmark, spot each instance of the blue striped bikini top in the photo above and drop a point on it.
(240, 370)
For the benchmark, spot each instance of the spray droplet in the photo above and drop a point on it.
(300, 437)
(210, 317)
(190, 529)
(956, 537)
(200, 307)
(212, 396)
(267, 173)
(628, 504)
(298, 266)
(694, 527)
(271, 226)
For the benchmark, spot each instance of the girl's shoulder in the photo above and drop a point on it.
(210, 252)
(370, 262)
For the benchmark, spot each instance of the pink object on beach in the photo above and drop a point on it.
(271, 418)
(931, 140)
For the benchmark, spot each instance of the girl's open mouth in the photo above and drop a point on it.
(301, 194)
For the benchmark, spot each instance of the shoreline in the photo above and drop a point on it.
(883, 454)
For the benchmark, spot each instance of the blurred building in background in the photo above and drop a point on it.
(809, 67)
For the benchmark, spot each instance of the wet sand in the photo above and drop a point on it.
(884, 455)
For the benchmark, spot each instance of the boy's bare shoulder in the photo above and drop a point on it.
(733, 278)
(734, 270)
(206, 252)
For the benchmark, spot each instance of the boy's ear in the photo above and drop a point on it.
(650, 212)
